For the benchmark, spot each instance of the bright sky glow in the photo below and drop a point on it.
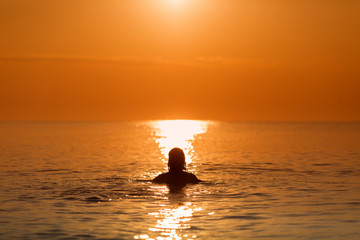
(229, 60)
(180, 5)
(175, 2)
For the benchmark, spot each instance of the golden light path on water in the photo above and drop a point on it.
(171, 219)
(178, 133)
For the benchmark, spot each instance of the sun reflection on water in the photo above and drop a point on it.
(172, 218)
(171, 221)
(178, 133)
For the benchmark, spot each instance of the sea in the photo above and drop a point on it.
(92, 180)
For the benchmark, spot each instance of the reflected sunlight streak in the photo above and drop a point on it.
(178, 133)
(173, 220)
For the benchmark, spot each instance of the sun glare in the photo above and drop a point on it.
(176, 4)
(172, 221)
(178, 133)
(175, 1)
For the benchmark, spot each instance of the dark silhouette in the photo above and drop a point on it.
(176, 178)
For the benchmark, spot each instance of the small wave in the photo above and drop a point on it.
(71, 198)
(119, 212)
(50, 235)
(236, 195)
(247, 217)
(81, 236)
(295, 215)
(6, 210)
(141, 180)
(52, 170)
(320, 204)
(260, 194)
(112, 179)
(196, 228)
(94, 199)
(346, 171)
(350, 221)
(313, 190)
(322, 164)
(247, 226)
(268, 169)
(25, 197)
(272, 236)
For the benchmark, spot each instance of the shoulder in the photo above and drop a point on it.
(192, 178)
(178, 178)
(162, 178)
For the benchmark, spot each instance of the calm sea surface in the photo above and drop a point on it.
(261, 181)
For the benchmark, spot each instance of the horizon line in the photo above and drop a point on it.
(178, 119)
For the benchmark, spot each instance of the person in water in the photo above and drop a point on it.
(176, 176)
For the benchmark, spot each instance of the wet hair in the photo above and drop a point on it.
(176, 159)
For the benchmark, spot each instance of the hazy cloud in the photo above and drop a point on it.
(145, 61)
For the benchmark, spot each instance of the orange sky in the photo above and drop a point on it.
(247, 60)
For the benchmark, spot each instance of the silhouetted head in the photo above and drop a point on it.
(176, 159)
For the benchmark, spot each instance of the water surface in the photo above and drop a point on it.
(261, 181)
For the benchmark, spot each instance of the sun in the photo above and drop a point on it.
(175, 3)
